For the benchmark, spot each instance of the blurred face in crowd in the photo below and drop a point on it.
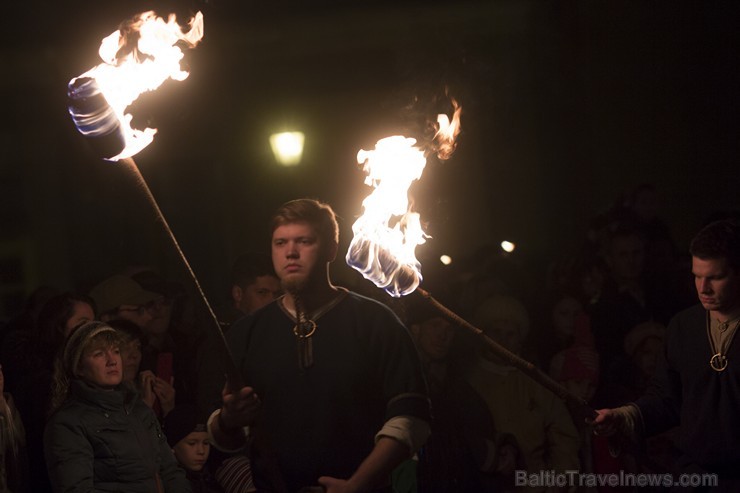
(101, 366)
(138, 314)
(591, 283)
(506, 333)
(717, 284)
(259, 293)
(564, 315)
(583, 388)
(646, 355)
(81, 313)
(434, 338)
(131, 359)
(192, 451)
(160, 311)
(626, 258)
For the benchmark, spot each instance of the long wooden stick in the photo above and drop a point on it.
(576, 405)
(233, 375)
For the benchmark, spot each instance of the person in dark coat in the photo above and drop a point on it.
(697, 381)
(101, 436)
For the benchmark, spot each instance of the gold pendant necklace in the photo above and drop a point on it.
(718, 361)
(305, 326)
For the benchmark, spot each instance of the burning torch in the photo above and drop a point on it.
(387, 233)
(138, 57)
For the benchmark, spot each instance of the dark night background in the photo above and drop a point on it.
(566, 106)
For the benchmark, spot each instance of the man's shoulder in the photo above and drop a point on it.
(691, 315)
(240, 329)
(363, 300)
(227, 315)
(687, 324)
(369, 307)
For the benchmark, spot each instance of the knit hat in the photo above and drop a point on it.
(120, 290)
(180, 422)
(80, 339)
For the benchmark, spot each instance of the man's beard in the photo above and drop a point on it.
(294, 285)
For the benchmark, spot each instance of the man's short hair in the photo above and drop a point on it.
(317, 214)
(249, 266)
(718, 240)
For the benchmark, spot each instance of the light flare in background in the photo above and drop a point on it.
(508, 246)
(287, 147)
(386, 235)
(137, 58)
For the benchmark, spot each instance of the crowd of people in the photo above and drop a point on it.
(122, 388)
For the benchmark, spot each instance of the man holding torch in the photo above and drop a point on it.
(697, 383)
(334, 392)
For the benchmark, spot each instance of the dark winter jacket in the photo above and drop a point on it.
(106, 441)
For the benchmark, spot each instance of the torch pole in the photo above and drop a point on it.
(577, 406)
(233, 375)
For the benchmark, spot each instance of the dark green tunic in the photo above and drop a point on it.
(322, 420)
(705, 403)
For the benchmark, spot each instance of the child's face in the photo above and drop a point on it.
(585, 389)
(131, 357)
(434, 338)
(564, 315)
(192, 451)
(647, 354)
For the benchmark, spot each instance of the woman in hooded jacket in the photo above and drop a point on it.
(100, 435)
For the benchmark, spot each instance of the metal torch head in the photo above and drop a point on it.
(380, 266)
(94, 117)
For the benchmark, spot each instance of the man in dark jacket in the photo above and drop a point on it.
(697, 383)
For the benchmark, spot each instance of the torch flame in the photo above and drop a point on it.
(447, 132)
(138, 57)
(387, 233)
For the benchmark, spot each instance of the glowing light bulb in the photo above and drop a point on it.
(287, 147)
(507, 246)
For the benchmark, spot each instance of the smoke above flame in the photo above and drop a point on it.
(138, 57)
(386, 235)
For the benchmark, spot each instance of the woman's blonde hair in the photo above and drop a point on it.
(12, 434)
